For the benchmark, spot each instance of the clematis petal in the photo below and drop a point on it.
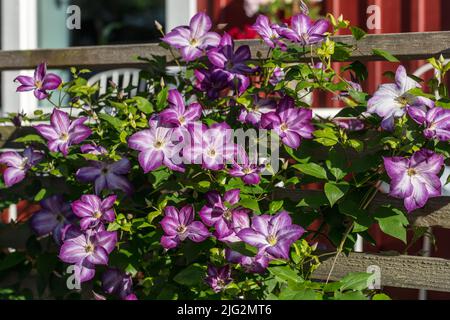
(43, 222)
(47, 131)
(170, 225)
(88, 174)
(85, 271)
(72, 252)
(169, 242)
(118, 182)
(106, 240)
(200, 24)
(197, 232)
(404, 82)
(178, 38)
(99, 256)
(151, 160)
(26, 81)
(190, 53)
(232, 196)
(40, 72)
(253, 238)
(51, 82)
(141, 141)
(396, 166)
(11, 159)
(123, 166)
(60, 121)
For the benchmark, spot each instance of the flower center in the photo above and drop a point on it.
(305, 37)
(89, 248)
(181, 229)
(64, 137)
(24, 163)
(411, 172)
(227, 215)
(159, 144)
(284, 127)
(194, 42)
(97, 214)
(182, 119)
(272, 240)
(38, 84)
(105, 171)
(247, 170)
(211, 153)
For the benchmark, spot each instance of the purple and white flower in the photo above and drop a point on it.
(107, 175)
(268, 32)
(177, 114)
(304, 31)
(290, 123)
(93, 211)
(18, 165)
(233, 63)
(211, 81)
(392, 99)
(180, 225)
(61, 133)
(435, 120)
(157, 146)
(54, 216)
(40, 84)
(415, 179)
(243, 168)
(192, 41)
(87, 250)
(256, 264)
(272, 235)
(253, 113)
(218, 278)
(93, 149)
(211, 147)
(277, 76)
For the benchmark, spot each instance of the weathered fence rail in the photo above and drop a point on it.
(398, 271)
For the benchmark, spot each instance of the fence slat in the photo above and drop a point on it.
(396, 271)
(435, 214)
(406, 46)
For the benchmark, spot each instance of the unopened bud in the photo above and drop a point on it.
(158, 25)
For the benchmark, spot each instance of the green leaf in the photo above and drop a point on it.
(30, 139)
(386, 55)
(356, 281)
(381, 296)
(243, 248)
(358, 33)
(335, 191)
(113, 121)
(312, 169)
(392, 221)
(275, 206)
(251, 204)
(305, 294)
(143, 104)
(336, 163)
(326, 137)
(40, 195)
(284, 273)
(190, 276)
(352, 295)
(161, 99)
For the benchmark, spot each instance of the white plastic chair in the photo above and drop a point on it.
(121, 77)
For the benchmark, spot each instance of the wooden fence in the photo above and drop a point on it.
(396, 270)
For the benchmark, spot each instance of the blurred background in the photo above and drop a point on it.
(33, 24)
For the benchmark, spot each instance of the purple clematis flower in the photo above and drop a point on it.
(231, 223)
(350, 124)
(212, 82)
(93, 211)
(242, 168)
(40, 83)
(117, 283)
(212, 148)
(290, 123)
(61, 133)
(304, 31)
(218, 278)
(107, 175)
(415, 179)
(253, 113)
(177, 114)
(391, 100)
(192, 41)
(157, 147)
(257, 264)
(54, 216)
(93, 149)
(180, 225)
(436, 121)
(277, 76)
(233, 63)
(216, 209)
(268, 32)
(18, 165)
(87, 250)
(273, 235)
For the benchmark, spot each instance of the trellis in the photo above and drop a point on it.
(396, 270)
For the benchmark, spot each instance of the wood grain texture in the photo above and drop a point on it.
(396, 271)
(435, 214)
(405, 46)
